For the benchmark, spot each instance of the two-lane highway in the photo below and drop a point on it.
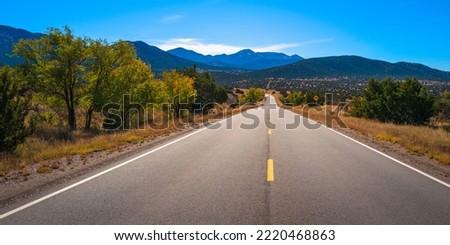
(223, 176)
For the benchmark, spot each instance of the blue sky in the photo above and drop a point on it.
(414, 31)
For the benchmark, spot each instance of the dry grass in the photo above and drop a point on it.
(418, 139)
(434, 142)
(34, 150)
(50, 143)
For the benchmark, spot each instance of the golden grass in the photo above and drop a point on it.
(35, 150)
(435, 142)
(42, 169)
(387, 137)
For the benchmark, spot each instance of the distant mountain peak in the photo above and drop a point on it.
(161, 60)
(180, 49)
(246, 52)
(245, 59)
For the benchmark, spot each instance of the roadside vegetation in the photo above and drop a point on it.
(405, 102)
(15, 103)
(253, 95)
(401, 112)
(75, 95)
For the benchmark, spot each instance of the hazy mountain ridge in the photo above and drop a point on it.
(245, 59)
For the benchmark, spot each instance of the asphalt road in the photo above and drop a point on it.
(220, 176)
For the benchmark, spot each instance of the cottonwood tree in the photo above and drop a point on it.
(180, 89)
(57, 60)
(101, 73)
(254, 95)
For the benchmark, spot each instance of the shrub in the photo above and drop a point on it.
(14, 108)
(254, 95)
(406, 102)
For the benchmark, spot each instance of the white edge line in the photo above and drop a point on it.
(391, 158)
(2, 216)
(381, 153)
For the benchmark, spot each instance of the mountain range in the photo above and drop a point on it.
(250, 65)
(160, 60)
(356, 67)
(245, 59)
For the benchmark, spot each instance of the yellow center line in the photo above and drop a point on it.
(270, 177)
(269, 131)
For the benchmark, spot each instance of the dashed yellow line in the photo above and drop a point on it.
(270, 176)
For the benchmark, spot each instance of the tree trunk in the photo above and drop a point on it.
(89, 112)
(72, 118)
(71, 107)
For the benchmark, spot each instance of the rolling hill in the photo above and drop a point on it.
(350, 66)
(245, 59)
(8, 37)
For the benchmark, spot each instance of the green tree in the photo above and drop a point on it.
(125, 78)
(208, 92)
(393, 101)
(284, 92)
(380, 99)
(104, 60)
(122, 86)
(254, 95)
(15, 101)
(442, 107)
(294, 98)
(415, 102)
(57, 60)
(221, 94)
(180, 89)
(152, 91)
